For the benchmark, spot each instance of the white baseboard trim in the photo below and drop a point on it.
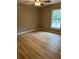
(26, 31)
(43, 29)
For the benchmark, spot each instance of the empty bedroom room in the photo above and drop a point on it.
(38, 29)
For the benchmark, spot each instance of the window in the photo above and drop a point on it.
(56, 19)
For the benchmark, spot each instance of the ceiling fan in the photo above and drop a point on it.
(38, 2)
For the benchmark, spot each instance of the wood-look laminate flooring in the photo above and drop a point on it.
(39, 45)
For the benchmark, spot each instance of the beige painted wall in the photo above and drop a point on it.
(45, 17)
(27, 18)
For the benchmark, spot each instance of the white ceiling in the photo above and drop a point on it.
(32, 2)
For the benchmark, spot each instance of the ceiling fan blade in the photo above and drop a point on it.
(29, 0)
(35, 0)
(47, 1)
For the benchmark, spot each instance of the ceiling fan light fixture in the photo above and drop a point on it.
(37, 0)
(38, 3)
